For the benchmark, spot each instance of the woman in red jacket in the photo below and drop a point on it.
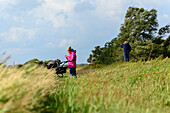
(72, 58)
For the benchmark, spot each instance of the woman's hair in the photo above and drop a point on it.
(69, 48)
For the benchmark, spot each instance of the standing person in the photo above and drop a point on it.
(72, 58)
(127, 50)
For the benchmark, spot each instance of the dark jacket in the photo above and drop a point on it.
(126, 47)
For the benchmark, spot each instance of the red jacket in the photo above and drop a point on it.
(72, 58)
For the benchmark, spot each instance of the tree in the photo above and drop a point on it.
(162, 31)
(104, 55)
(139, 24)
(139, 29)
(166, 45)
(95, 54)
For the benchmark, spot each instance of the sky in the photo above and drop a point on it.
(43, 29)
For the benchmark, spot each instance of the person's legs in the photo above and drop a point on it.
(72, 72)
(126, 57)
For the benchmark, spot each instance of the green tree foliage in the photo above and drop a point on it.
(98, 55)
(145, 50)
(166, 46)
(164, 30)
(140, 29)
(139, 24)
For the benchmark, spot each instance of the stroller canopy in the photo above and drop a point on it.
(54, 64)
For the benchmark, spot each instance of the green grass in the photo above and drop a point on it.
(142, 87)
(22, 90)
(120, 88)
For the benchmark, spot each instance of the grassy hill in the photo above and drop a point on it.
(142, 87)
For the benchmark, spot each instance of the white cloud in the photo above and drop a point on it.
(18, 34)
(65, 43)
(61, 43)
(54, 11)
(61, 13)
(110, 8)
(157, 2)
(50, 45)
(18, 19)
(7, 4)
(165, 16)
(20, 5)
(144, 3)
(17, 51)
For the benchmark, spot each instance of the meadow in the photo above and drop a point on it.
(133, 87)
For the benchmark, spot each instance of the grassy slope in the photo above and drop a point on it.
(119, 88)
(122, 87)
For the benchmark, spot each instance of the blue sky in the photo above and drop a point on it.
(43, 29)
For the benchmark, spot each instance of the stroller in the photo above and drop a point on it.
(60, 69)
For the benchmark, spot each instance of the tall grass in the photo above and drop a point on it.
(142, 87)
(21, 90)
